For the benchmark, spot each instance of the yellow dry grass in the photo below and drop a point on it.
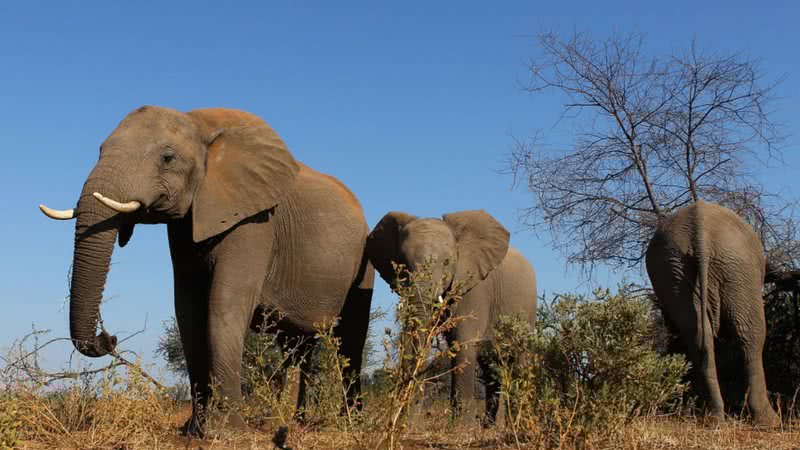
(126, 421)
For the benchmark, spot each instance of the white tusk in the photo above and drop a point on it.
(129, 207)
(56, 214)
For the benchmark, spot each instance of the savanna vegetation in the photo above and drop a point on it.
(592, 374)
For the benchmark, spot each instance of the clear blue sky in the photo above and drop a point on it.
(411, 105)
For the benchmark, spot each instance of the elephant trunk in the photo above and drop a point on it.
(412, 344)
(95, 232)
(416, 320)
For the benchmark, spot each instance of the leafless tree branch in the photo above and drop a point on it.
(26, 363)
(652, 134)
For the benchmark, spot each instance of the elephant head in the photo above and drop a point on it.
(160, 165)
(463, 247)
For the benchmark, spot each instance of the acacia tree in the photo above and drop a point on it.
(650, 134)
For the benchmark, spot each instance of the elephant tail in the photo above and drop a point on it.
(702, 258)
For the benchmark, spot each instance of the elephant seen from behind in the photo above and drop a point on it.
(470, 248)
(706, 265)
(256, 238)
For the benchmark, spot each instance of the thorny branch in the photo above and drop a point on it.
(27, 362)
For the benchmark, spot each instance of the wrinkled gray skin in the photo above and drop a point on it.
(498, 279)
(707, 269)
(252, 233)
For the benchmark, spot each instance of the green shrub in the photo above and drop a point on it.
(513, 358)
(782, 347)
(588, 368)
(328, 384)
(262, 357)
(604, 346)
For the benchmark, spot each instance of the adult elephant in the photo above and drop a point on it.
(707, 269)
(471, 248)
(253, 235)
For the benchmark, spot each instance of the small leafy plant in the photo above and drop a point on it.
(422, 317)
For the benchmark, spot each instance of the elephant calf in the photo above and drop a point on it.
(707, 269)
(498, 279)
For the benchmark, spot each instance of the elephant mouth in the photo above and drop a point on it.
(125, 233)
(100, 220)
(129, 214)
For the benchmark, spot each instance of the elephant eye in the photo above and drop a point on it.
(167, 156)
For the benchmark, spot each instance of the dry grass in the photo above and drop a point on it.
(121, 407)
(661, 433)
(123, 411)
(645, 434)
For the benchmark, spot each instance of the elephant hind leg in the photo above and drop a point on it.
(297, 349)
(700, 348)
(749, 330)
(352, 330)
(758, 399)
(679, 302)
(302, 397)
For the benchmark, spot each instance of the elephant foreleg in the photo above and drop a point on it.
(191, 313)
(462, 390)
(240, 263)
(492, 382)
(228, 320)
(193, 327)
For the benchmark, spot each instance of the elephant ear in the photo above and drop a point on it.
(481, 242)
(248, 170)
(383, 243)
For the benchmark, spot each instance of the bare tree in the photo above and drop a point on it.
(651, 134)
